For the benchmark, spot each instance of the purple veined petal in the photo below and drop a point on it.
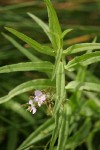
(33, 110)
(43, 97)
(30, 102)
(36, 98)
(38, 93)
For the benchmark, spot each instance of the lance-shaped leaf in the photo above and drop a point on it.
(38, 47)
(43, 25)
(54, 26)
(43, 131)
(66, 32)
(83, 60)
(81, 47)
(88, 86)
(27, 86)
(23, 50)
(28, 66)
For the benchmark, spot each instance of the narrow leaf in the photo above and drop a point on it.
(43, 25)
(81, 47)
(28, 66)
(65, 33)
(54, 25)
(38, 47)
(23, 50)
(74, 85)
(83, 60)
(27, 86)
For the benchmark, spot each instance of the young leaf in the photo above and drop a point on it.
(81, 47)
(41, 24)
(28, 66)
(83, 60)
(53, 24)
(27, 86)
(38, 47)
(74, 85)
(65, 32)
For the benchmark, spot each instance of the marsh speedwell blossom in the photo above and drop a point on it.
(36, 101)
(39, 97)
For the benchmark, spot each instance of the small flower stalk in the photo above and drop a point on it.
(36, 101)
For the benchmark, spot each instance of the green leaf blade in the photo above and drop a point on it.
(38, 47)
(43, 25)
(66, 32)
(81, 47)
(27, 86)
(23, 50)
(54, 25)
(28, 66)
(88, 86)
(83, 60)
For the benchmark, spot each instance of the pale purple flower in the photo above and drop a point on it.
(39, 97)
(31, 108)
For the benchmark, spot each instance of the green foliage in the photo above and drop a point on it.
(81, 47)
(42, 49)
(73, 105)
(42, 132)
(83, 86)
(28, 66)
(21, 48)
(27, 86)
(83, 60)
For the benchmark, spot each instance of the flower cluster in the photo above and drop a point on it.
(36, 100)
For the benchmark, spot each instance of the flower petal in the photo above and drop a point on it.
(36, 98)
(43, 97)
(30, 102)
(33, 110)
(38, 93)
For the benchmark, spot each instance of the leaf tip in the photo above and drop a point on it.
(29, 13)
(7, 28)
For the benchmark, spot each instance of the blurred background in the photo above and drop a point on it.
(81, 15)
